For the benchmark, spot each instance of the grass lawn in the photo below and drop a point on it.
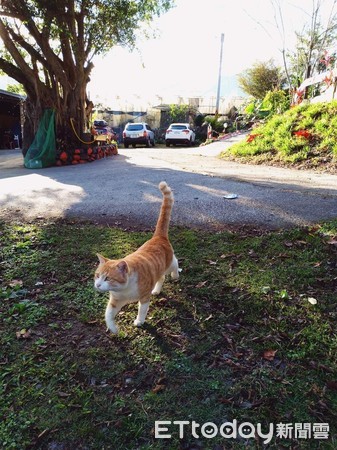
(248, 333)
(304, 137)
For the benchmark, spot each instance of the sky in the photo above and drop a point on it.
(183, 58)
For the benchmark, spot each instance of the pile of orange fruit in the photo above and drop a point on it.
(82, 156)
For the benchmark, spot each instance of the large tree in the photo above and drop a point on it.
(49, 46)
(260, 78)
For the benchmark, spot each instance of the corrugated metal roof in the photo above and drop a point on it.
(5, 95)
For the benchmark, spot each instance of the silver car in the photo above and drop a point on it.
(138, 134)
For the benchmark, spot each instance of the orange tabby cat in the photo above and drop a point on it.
(136, 276)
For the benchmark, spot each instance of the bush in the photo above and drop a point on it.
(216, 124)
(277, 102)
(295, 135)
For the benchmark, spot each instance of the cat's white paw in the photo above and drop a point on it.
(112, 328)
(175, 273)
(138, 323)
(156, 291)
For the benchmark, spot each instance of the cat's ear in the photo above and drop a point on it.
(123, 267)
(101, 259)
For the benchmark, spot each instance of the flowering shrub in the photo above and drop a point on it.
(303, 133)
(326, 62)
(299, 96)
(328, 80)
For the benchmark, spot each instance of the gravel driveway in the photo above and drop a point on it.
(123, 190)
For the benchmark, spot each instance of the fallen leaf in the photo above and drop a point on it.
(269, 355)
(158, 388)
(317, 264)
(283, 255)
(63, 394)
(209, 318)
(332, 241)
(265, 289)
(226, 401)
(228, 255)
(23, 334)
(15, 283)
(201, 284)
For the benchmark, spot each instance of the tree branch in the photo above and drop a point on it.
(4, 34)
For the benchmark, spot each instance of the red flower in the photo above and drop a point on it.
(298, 96)
(251, 137)
(328, 80)
(303, 133)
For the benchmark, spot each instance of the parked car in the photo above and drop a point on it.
(102, 127)
(179, 133)
(100, 123)
(138, 133)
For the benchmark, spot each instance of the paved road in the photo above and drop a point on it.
(123, 189)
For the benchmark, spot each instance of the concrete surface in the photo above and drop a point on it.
(123, 190)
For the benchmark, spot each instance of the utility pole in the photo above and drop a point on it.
(219, 78)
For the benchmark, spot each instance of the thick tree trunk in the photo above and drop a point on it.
(70, 109)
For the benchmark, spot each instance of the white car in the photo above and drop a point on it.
(138, 133)
(179, 133)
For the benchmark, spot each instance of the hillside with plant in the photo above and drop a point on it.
(301, 136)
(304, 137)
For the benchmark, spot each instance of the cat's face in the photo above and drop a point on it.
(111, 275)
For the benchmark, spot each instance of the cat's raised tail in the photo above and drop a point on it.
(165, 210)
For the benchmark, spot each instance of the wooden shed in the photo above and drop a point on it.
(10, 120)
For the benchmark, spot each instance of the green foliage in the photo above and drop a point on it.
(250, 108)
(309, 55)
(276, 102)
(216, 124)
(179, 113)
(121, 19)
(16, 89)
(261, 78)
(57, 42)
(277, 139)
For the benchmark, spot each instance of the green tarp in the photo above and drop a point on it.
(42, 152)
